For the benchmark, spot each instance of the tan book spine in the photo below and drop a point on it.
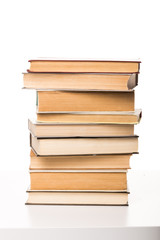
(80, 81)
(78, 181)
(89, 118)
(79, 162)
(84, 66)
(58, 101)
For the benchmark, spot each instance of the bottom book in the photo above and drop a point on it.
(41, 197)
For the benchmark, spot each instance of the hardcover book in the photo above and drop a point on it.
(113, 198)
(84, 146)
(87, 65)
(80, 81)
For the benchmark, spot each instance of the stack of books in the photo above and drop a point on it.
(83, 136)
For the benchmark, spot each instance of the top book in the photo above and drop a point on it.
(84, 66)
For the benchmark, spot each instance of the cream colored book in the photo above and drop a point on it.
(79, 130)
(41, 197)
(84, 146)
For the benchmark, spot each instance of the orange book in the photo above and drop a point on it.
(87, 65)
(79, 162)
(82, 180)
(80, 81)
(62, 101)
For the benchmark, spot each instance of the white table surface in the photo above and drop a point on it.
(140, 219)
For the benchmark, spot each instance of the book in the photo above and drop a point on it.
(109, 117)
(77, 198)
(84, 146)
(79, 130)
(78, 180)
(80, 81)
(79, 162)
(62, 101)
(87, 65)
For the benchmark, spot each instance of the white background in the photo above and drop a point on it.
(80, 29)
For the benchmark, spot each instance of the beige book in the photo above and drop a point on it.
(79, 162)
(66, 101)
(79, 130)
(80, 81)
(82, 146)
(87, 65)
(78, 180)
(91, 117)
(77, 198)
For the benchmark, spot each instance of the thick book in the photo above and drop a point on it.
(87, 65)
(109, 117)
(80, 81)
(84, 146)
(79, 130)
(78, 180)
(79, 162)
(40, 197)
(62, 101)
